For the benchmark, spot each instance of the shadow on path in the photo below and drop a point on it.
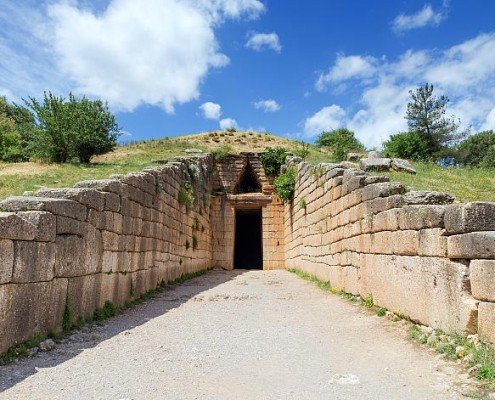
(90, 336)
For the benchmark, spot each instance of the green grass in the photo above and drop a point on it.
(466, 184)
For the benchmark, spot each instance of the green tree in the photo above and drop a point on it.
(341, 141)
(10, 134)
(476, 148)
(72, 128)
(408, 145)
(426, 116)
(272, 159)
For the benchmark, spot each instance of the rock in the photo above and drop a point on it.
(460, 351)
(427, 197)
(473, 370)
(160, 161)
(47, 345)
(32, 351)
(375, 164)
(468, 358)
(426, 329)
(399, 164)
(349, 165)
(432, 340)
(353, 157)
(374, 154)
(193, 151)
(470, 217)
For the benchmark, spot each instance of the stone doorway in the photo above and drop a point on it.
(248, 250)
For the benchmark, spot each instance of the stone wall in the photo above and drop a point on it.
(413, 252)
(106, 240)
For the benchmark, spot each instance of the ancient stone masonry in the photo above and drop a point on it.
(106, 240)
(415, 253)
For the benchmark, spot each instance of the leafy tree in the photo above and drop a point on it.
(341, 141)
(476, 148)
(272, 159)
(408, 145)
(10, 136)
(285, 184)
(426, 116)
(72, 128)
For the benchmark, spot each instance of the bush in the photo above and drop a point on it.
(74, 128)
(10, 133)
(285, 184)
(477, 150)
(408, 145)
(272, 160)
(302, 151)
(222, 152)
(341, 141)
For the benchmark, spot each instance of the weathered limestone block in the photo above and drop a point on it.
(429, 290)
(421, 217)
(143, 181)
(406, 243)
(70, 256)
(427, 197)
(399, 164)
(375, 164)
(483, 279)
(15, 227)
(111, 261)
(432, 243)
(114, 287)
(67, 208)
(383, 189)
(112, 202)
(371, 179)
(103, 185)
(69, 226)
(83, 295)
(382, 203)
(111, 241)
(89, 197)
(470, 217)
(486, 321)
(34, 261)
(44, 222)
(473, 245)
(387, 220)
(30, 308)
(6, 260)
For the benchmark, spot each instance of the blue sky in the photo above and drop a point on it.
(294, 68)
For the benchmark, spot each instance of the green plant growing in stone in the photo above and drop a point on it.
(132, 291)
(285, 184)
(222, 152)
(302, 203)
(108, 310)
(67, 317)
(273, 159)
(381, 312)
(368, 301)
(186, 196)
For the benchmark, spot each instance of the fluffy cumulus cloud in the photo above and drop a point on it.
(156, 52)
(427, 16)
(228, 123)
(267, 105)
(463, 72)
(347, 67)
(211, 110)
(328, 118)
(262, 41)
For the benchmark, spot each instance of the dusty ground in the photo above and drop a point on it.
(237, 335)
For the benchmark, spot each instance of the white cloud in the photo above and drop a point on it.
(347, 67)
(267, 105)
(426, 16)
(464, 72)
(261, 41)
(326, 119)
(228, 123)
(156, 52)
(211, 110)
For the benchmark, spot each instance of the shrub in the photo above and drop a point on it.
(341, 141)
(273, 159)
(73, 128)
(222, 152)
(408, 145)
(11, 125)
(303, 150)
(285, 184)
(476, 148)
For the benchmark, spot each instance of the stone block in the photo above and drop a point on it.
(70, 256)
(12, 226)
(86, 196)
(432, 291)
(29, 309)
(375, 164)
(66, 208)
(421, 217)
(112, 202)
(486, 321)
(427, 197)
(470, 217)
(70, 226)
(103, 185)
(473, 245)
(6, 260)
(432, 243)
(45, 223)
(483, 279)
(34, 261)
(83, 295)
(111, 241)
(383, 189)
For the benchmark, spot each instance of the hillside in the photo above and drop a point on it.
(17, 178)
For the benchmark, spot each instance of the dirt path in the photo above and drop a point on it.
(237, 335)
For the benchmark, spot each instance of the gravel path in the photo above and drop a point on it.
(237, 335)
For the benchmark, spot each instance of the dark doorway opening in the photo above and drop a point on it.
(248, 252)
